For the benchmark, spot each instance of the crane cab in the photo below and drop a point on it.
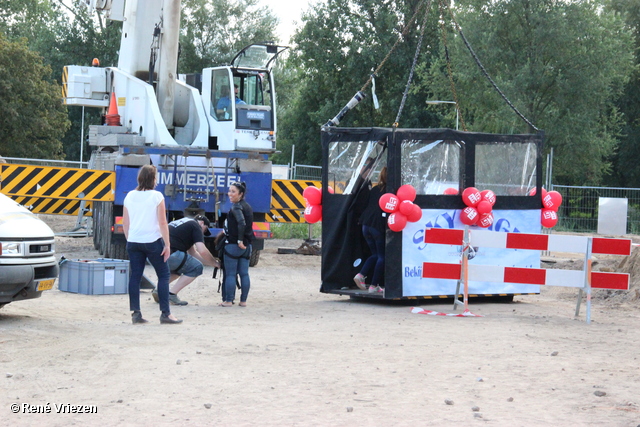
(240, 103)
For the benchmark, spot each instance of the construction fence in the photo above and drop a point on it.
(579, 209)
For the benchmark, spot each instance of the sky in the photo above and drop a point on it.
(288, 11)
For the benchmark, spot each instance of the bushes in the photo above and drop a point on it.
(296, 231)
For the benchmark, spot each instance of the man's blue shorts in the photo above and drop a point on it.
(191, 267)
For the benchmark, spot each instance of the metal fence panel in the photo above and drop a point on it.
(579, 209)
(307, 172)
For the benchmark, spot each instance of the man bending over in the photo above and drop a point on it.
(188, 254)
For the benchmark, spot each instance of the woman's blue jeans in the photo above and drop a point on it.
(376, 240)
(234, 266)
(138, 254)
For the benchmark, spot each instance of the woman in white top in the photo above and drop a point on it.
(147, 234)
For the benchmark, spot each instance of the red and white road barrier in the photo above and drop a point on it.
(541, 242)
(584, 279)
(530, 276)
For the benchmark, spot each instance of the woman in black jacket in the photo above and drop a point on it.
(237, 251)
(374, 225)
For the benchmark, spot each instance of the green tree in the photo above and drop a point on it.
(626, 172)
(563, 64)
(213, 31)
(64, 35)
(339, 45)
(32, 118)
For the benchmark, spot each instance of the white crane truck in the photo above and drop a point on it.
(200, 137)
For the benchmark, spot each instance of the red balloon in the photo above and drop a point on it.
(451, 191)
(389, 202)
(330, 189)
(485, 220)
(548, 218)
(416, 215)
(313, 195)
(469, 216)
(397, 221)
(489, 196)
(552, 200)
(471, 196)
(533, 192)
(313, 213)
(484, 207)
(406, 192)
(406, 207)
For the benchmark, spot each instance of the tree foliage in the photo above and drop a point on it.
(625, 171)
(63, 35)
(32, 118)
(563, 64)
(213, 31)
(339, 45)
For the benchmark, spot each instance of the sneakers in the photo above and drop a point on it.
(375, 290)
(173, 299)
(359, 279)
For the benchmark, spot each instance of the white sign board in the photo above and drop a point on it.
(612, 216)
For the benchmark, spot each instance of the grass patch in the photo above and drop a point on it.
(296, 231)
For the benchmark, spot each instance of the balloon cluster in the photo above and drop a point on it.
(313, 198)
(401, 207)
(551, 200)
(479, 207)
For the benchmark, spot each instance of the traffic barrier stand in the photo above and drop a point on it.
(584, 279)
(463, 279)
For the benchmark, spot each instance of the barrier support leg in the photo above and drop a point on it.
(464, 274)
(588, 279)
(587, 282)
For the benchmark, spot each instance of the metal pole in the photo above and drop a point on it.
(551, 170)
(293, 151)
(82, 138)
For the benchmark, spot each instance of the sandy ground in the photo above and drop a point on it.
(296, 357)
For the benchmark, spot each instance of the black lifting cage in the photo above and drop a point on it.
(431, 160)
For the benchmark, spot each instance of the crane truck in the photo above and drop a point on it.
(200, 137)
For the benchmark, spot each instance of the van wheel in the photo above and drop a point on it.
(255, 257)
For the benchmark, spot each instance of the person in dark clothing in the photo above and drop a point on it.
(237, 251)
(374, 223)
(188, 254)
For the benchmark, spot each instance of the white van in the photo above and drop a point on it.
(28, 265)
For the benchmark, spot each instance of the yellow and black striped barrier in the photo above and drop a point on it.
(287, 203)
(45, 182)
(54, 206)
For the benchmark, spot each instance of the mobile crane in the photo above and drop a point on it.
(199, 136)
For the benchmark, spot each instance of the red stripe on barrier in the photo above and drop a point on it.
(443, 236)
(527, 241)
(533, 276)
(601, 280)
(432, 270)
(602, 245)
